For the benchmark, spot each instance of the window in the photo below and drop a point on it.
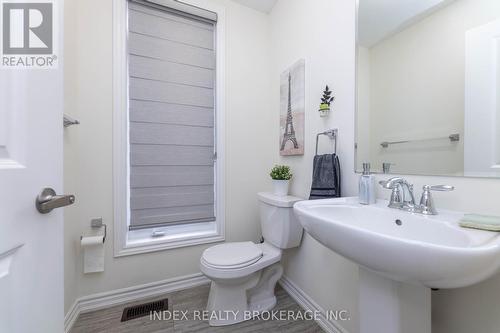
(168, 174)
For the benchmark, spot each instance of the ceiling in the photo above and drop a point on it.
(261, 5)
(378, 19)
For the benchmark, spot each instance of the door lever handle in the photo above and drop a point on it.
(47, 200)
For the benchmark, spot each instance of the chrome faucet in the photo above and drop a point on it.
(402, 196)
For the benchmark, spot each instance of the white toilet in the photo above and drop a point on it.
(244, 274)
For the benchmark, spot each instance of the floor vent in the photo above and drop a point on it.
(142, 310)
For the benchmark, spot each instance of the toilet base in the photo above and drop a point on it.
(232, 301)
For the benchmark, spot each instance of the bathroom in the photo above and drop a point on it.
(59, 273)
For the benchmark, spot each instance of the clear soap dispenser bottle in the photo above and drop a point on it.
(367, 195)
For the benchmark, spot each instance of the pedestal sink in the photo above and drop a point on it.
(401, 255)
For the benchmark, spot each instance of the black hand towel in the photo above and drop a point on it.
(326, 177)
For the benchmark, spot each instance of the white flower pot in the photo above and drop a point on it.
(324, 112)
(280, 187)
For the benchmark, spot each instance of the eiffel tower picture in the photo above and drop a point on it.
(295, 74)
(289, 130)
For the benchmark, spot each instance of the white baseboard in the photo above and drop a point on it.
(71, 316)
(130, 294)
(307, 303)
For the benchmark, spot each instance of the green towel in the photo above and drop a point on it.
(482, 222)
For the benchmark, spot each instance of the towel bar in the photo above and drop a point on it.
(455, 137)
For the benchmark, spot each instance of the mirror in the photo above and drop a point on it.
(428, 93)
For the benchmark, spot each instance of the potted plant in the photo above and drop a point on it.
(326, 100)
(281, 176)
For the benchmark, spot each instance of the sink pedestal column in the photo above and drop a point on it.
(390, 306)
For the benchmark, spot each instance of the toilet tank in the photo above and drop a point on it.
(279, 225)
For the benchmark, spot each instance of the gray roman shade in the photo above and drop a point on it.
(171, 112)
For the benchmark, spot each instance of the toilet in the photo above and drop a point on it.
(244, 274)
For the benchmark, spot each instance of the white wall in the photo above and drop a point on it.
(88, 147)
(482, 93)
(397, 15)
(363, 107)
(322, 34)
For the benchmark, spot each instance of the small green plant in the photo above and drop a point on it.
(327, 99)
(281, 172)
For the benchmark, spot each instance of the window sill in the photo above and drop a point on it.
(141, 241)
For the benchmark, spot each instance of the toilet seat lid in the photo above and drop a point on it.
(232, 255)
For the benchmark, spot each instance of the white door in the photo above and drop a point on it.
(31, 244)
(482, 101)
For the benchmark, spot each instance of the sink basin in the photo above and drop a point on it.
(433, 251)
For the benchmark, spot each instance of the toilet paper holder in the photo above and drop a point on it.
(97, 223)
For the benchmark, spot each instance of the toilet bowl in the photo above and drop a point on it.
(244, 274)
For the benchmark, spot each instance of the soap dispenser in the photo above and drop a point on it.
(367, 194)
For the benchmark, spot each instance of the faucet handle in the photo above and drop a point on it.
(441, 188)
(427, 205)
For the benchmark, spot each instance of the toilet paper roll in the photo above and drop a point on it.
(92, 240)
(93, 254)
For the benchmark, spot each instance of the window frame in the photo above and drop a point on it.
(135, 242)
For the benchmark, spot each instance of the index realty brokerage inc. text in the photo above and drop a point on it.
(279, 315)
